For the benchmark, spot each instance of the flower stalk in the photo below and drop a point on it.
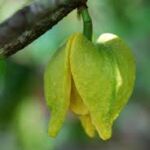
(87, 22)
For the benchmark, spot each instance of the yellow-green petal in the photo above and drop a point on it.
(57, 85)
(125, 70)
(76, 102)
(93, 75)
(87, 125)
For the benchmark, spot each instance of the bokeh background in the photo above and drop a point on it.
(23, 112)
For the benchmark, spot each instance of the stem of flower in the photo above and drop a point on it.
(87, 23)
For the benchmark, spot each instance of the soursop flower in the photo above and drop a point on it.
(94, 81)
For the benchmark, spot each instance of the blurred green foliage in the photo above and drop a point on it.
(23, 114)
(14, 82)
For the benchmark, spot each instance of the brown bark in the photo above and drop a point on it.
(31, 22)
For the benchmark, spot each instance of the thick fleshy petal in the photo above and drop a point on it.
(57, 82)
(125, 70)
(76, 102)
(94, 78)
(87, 125)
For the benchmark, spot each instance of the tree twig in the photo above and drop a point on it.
(32, 21)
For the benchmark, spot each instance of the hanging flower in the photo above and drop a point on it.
(94, 81)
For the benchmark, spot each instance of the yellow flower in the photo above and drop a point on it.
(95, 81)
